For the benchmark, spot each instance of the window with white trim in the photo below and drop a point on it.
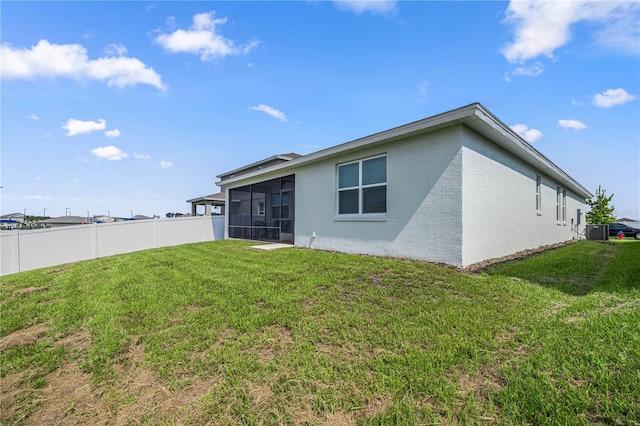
(564, 206)
(362, 186)
(558, 204)
(538, 195)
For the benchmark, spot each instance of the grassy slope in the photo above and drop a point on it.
(295, 336)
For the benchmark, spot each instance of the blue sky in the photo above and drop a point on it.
(127, 107)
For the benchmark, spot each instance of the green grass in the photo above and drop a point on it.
(221, 333)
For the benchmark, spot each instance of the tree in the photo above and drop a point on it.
(601, 210)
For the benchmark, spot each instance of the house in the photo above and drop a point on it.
(55, 222)
(459, 187)
(213, 204)
(14, 217)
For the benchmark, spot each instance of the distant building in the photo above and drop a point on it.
(16, 217)
(55, 222)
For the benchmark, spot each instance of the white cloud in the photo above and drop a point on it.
(141, 156)
(38, 197)
(359, 7)
(202, 39)
(166, 164)
(111, 153)
(612, 97)
(622, 32)
(271, 111)
(530, 135)
(112, 133)
(541, 27)
(76, 127)
(71, 61)
(33, 117)
(529, 71)
(572, 124)
(526, 71)
(115, 49)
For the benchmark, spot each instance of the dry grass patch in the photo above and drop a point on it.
(30, 290)
(276, 341)
(26, 336)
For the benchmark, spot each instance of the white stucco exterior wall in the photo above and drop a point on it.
(499, 213)
(424, 202)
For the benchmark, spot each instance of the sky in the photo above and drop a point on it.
(133, 107)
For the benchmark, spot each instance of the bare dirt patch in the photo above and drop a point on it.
(134, 396)
(376, 406)
(278, 339)
(69, 396)
(260, 394)
(79, 342)
(339, 419)
(26, 336)
(481, 384)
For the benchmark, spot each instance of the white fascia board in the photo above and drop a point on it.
(257, 163)
(503, 136)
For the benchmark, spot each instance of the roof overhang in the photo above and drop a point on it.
(219, 198)
(474, 116)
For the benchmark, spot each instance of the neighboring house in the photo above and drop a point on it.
(66, 221)
(141, 217)
(213, 204)
(460, 187)
(629, 222)
(16, 217)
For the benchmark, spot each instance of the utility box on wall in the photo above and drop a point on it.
(598, 232)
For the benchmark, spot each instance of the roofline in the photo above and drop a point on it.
(248, 166)
(193, 200)
(466, 115)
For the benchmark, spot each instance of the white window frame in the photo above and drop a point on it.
(564, 207)
(558, 205)
(538, 195)
(360, 215)
(260, 208)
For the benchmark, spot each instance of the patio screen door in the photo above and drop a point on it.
(263, 211)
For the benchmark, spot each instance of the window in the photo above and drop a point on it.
(538, 195)
(260, 211)
(564, 206)
(558, 204)
(362, 186)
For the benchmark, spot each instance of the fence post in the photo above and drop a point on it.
(94, 247)
(155, 232)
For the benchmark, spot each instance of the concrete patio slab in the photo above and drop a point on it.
(274, 246)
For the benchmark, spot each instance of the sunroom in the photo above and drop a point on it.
(263, 211)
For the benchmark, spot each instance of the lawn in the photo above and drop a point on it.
(220, 333)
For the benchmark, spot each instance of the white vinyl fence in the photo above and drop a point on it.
(39, 248)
